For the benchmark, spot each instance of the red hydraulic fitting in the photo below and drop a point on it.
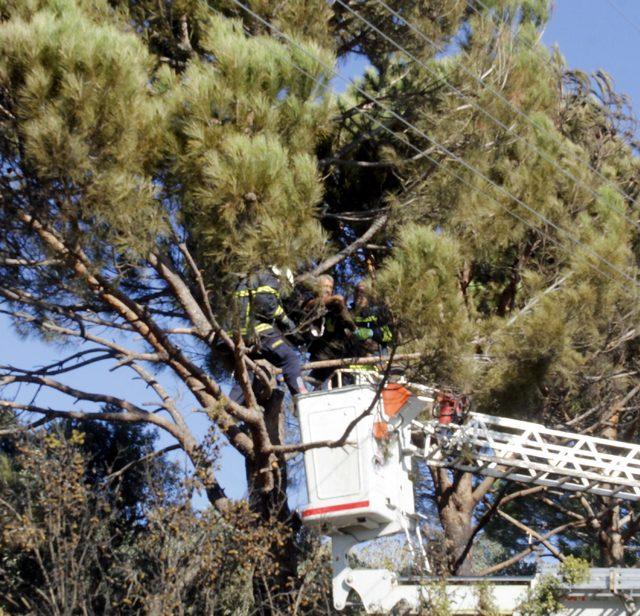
(447, 408)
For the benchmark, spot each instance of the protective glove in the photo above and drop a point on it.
(363, 333)
(287, 324)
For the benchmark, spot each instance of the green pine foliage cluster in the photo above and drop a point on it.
(546, 598)
(528, 215)
(420, 285)
(241, 141)
(119, 139)
(222, 143)
(85, 116)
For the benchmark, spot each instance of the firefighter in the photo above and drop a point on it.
(331, 333)
(372, 334)
(262, 322)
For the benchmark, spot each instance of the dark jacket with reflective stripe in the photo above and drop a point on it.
(335, 341)
(258, 301)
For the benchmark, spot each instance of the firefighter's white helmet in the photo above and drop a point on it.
(284, 274)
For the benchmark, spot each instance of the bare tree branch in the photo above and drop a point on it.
(529, 531)
(501, 499)
(332, 261)
(524, 553)
(150, 456)
(204, 388)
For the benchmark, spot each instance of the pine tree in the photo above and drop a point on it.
(154, 153)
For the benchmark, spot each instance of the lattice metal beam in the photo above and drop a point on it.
(530, 453)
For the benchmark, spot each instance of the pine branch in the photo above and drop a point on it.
(331, 262)
(203, 387)
(150, 456)
(529, 531)
(524, 553)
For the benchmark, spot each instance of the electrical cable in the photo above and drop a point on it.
(471, 101)
(620, 12)
(443, 148)
(466, 182)
(324, 85)
(521, 113)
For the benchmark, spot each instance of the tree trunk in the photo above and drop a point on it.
(610, 540)
(455, 501)
(611, 543)
(272, 592)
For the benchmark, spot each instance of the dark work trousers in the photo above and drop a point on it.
(277, 351)
(322, 374)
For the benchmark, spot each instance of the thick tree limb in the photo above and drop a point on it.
(11, 262)
(529, 531)
(182, 293)
(332, 261)
(128, 356)
(242, 375)
(73, 392)
(203, 387)
(502, 499)
(133, 416)
(483, 488)
(358, 361)
(186, 441)
(206, 324)
(524, 553)
(553, 504)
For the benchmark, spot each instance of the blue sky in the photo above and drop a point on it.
(600, 34)
(591, 34)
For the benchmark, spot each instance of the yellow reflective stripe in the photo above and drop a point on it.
(258, 329)
(263, 289)
(277, 343)
(279, 311)
(370, 319)
(262, 327)
(267, 289)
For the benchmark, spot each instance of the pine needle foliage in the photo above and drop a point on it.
(154, 152)
(85, 116)
(420, 286)
(243, 127)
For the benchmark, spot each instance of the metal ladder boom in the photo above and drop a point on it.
(530, 453)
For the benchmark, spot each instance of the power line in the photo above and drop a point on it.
(443, 148)
(471, 101)
(620, 12)
(529, 46)
(460, 178)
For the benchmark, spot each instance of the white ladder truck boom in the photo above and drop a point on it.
(363, 490)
